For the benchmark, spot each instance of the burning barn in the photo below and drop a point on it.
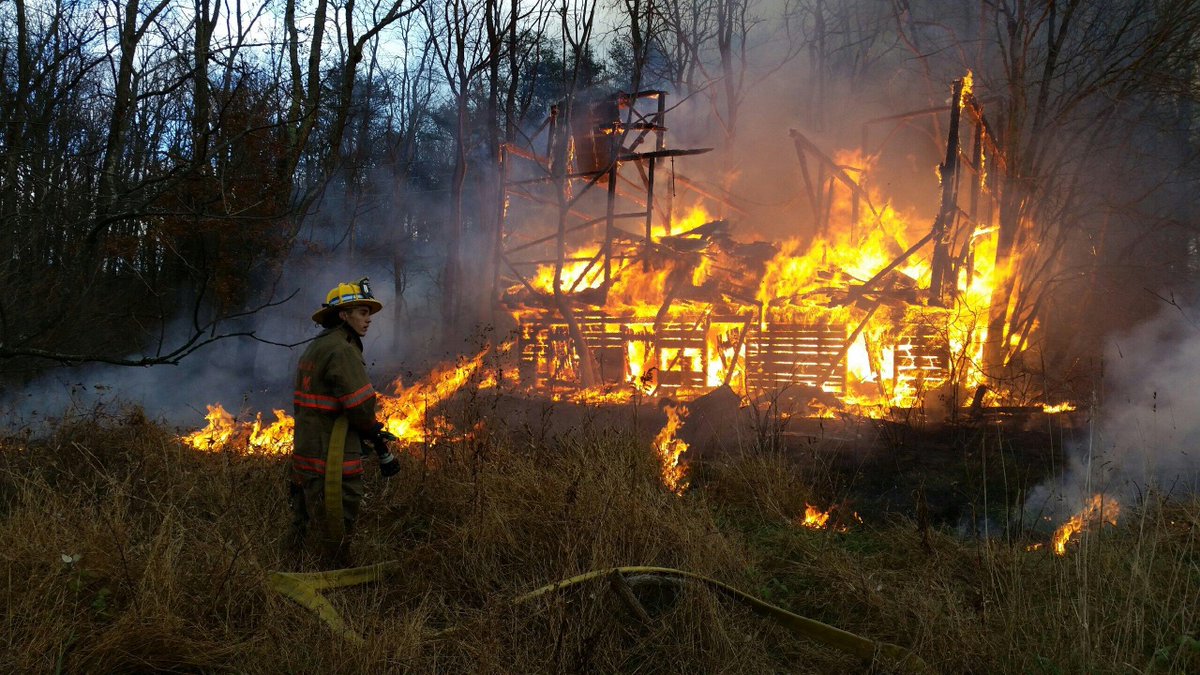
(877, 308)
(699, 319)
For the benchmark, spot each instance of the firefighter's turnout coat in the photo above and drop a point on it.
(331, 382)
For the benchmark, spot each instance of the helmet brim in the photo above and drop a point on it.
(327, 312)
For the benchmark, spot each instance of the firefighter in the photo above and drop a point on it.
(335, 414)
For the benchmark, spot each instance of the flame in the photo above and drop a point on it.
(814, 517)
(725, 354)
(902, 347)
(640, 370)
(696, 216)
(669, 448)
(221, 427)
(404, 413)
(605, 395)
(1058, 408)
(223, 432)
(882, 365)
(1099, 510)
(276, 438)
(633, 291)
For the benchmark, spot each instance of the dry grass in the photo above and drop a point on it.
(175, 545)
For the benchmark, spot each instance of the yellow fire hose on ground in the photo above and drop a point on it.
(304, 589)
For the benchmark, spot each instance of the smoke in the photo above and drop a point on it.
(1145, 434)
(243, 374)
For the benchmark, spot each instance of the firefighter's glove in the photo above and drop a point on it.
(388, 466)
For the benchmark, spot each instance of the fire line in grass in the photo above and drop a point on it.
(405, 413)
(1100, 510)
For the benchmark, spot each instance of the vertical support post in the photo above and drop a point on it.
(610, 207)
(977, 162)
(854, 198)
(820, 203)
(658, 145)
(948, 171)
(976, 191)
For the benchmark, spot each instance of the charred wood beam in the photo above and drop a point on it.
(974, 109)
(808, 183)
(658, 154)
(581, 226)
(521, 278)
(644, 130)
(841, 355)
(549, 202)
(635, 126)
(737, 351)
(940, 271)
(705, 192)
(609, 212)
(977, 165)
(802, 143)
(827, 208)
(543, 162)
(648, 176)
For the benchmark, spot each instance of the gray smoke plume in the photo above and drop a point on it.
(1145, 433)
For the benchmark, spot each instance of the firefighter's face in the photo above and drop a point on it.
(358, 318)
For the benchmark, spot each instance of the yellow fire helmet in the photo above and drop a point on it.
(347, 296)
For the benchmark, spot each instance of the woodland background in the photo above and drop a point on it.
(177, 172)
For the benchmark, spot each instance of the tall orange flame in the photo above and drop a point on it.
(669, 447)
(404, 413)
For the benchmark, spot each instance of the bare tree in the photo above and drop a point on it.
(148, 173)
(465, 51)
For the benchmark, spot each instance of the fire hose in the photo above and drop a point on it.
(336, 525)
(303, 588)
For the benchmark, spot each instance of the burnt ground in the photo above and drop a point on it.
(973, 475)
